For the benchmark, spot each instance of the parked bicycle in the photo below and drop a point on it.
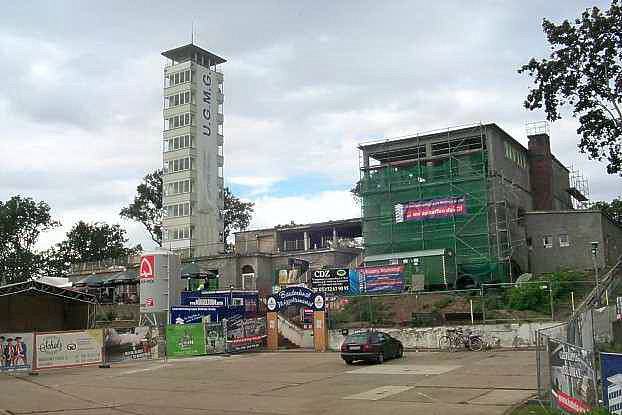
(456, 339)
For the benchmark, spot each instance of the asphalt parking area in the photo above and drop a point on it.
(282, 383)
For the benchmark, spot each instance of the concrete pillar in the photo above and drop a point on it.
(273, 331)
(320, 331)
(306, 238)
(334, 237)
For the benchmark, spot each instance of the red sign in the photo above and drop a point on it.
(147, 265)
(149, 302)
(570, 404)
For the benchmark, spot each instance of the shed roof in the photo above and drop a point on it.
(35, 288)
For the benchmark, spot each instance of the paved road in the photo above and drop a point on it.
(282, 383)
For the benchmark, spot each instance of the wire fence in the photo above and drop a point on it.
(532, 301)
(589, 326)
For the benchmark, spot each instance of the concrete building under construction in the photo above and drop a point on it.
(451, 205)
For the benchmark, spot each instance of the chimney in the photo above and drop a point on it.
(541, 171)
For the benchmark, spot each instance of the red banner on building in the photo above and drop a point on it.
(430, 209)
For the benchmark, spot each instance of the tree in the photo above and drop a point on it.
(236, 214)
(584, 72)
(22, 220)
(97, 241)
(611, 209)
(147, 206)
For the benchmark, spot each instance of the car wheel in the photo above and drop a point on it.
(400, 352)
(348, 361)
(380, 358)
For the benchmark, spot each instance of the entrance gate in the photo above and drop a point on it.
(298, 296)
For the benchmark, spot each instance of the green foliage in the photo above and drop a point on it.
(365, 309)
(529, 297)
(147, 205)
(443, 302)
(584, 72)
(236, 214)
(22, 220)
(612, 210)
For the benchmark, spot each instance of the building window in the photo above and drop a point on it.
(174, 166)
(177, 121)
(178, 210)
(529, 241)
(175, 234)
(176, 188)
(179, 142)
(563, 240)
(220, 172)
(177, 78)
(547, 241)
(180, 98)
(515, 155)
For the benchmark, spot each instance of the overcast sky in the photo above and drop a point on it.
(81, 98)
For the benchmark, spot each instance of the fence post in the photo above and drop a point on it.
(371, 313)
(551, 301)
(538, 362)
(572, 300)
(483, 305)
(472, 319)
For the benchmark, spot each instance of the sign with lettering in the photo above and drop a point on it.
(185, 340)
(331, 280)
(611, 375)
(296, 296)
(430, 209)
(147, 267)
(382, 279)
(68, 348)
(573, 379)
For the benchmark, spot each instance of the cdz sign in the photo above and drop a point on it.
(331, 280)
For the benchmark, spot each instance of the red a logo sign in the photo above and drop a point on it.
(147, 265)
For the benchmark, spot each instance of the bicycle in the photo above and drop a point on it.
(458, 339)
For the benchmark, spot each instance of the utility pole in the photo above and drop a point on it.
(594, 259)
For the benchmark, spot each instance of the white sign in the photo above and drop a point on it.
(70, 348)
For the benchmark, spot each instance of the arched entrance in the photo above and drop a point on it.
(298, 296)
(249, 281)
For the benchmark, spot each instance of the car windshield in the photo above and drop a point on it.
(357, 338)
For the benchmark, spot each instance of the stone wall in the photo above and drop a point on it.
(494, 335)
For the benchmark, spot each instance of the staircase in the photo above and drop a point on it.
(292, 334)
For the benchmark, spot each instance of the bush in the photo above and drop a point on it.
(529, 297)
(443, 302)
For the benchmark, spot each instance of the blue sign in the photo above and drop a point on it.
(611, 369)
(191, 314)
(296, 296)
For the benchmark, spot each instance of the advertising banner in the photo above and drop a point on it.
(246, 334)
(335, 281)
(215, 341)
(16, 352)
(136, 343)
(184, 340)
(68, 348)
(382, 279)
(193, 315)
(296, 296)
(611, 370)
(430, 209)
(573, 379)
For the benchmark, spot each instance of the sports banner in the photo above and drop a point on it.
(68, 348)
(573, 378)
(430, 209)
(245, 334)
(16, 352)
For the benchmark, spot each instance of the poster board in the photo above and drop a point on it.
(183, 340)
(16, 352)
(68, 348)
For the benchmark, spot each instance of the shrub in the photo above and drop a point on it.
(529, 297)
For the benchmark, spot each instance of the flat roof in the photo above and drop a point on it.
(289, 227)
(33, 287)
(187, 52)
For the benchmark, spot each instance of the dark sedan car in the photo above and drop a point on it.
(374, 346)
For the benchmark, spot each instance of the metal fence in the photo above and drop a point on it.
(589, 325)
(532, 301)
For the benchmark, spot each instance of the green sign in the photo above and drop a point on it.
(185, 340)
